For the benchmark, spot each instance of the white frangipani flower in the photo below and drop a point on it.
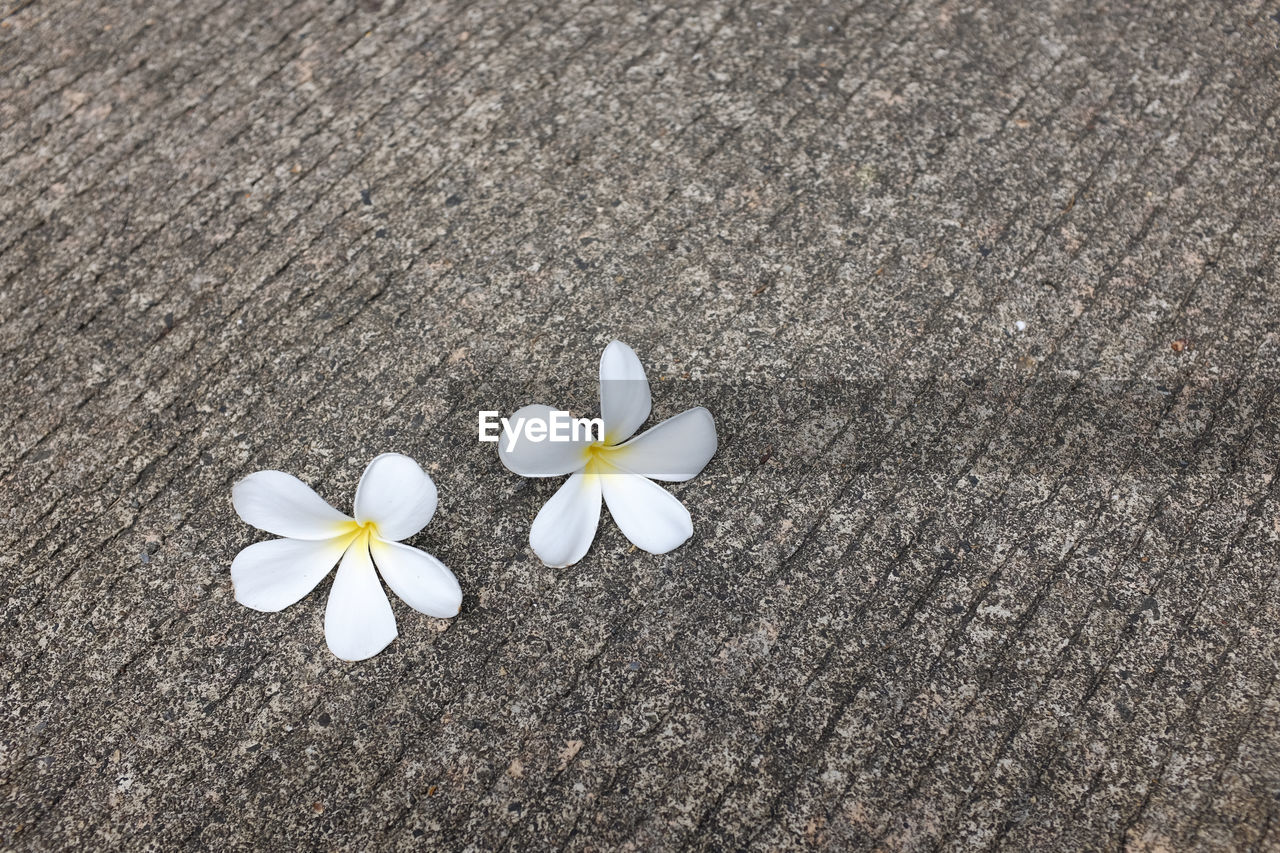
(619, 470)
(395, 499)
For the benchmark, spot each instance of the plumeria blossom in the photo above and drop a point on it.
(395, 499)
(620, 469)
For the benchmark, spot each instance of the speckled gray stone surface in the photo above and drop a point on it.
(982, 295)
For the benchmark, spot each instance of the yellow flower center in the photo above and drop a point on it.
(597, 454)
(355, 530)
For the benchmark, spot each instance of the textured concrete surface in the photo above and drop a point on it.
(983, 296)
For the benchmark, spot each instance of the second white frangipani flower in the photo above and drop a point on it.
(619, 470)
(395, 499)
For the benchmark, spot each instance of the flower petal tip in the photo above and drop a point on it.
(357, 656)
(244, 602)
(551, 565)
(659, 553)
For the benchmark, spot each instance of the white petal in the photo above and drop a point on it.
(566, 524)
(540, 458)
(624, 392)
(397, 495)
(282, 504)
(269, 576)
(358, 622)
(650, 516)
(674, 450)
(422, 582)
